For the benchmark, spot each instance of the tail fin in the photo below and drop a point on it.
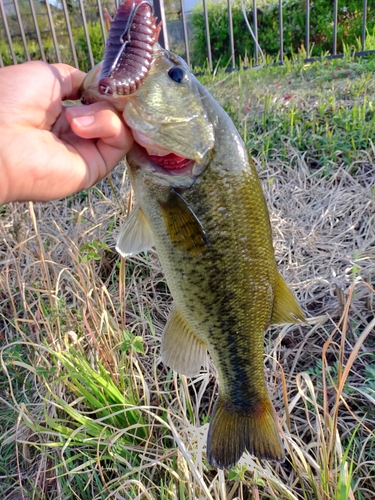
(232, 431)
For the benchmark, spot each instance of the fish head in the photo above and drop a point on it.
(166, 114)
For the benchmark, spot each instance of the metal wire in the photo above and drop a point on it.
(255, 34)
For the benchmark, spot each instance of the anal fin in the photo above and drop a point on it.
(135, 235)
(181, 349)
(285, 306)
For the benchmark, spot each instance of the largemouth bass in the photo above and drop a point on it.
(201, 205)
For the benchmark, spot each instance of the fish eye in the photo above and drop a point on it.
(178, 74)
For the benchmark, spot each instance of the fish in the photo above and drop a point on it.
(200, 204)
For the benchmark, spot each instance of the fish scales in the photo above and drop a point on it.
(200, 204)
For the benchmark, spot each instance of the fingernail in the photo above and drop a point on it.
(84, 121)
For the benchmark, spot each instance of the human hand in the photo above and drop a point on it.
(48, 150)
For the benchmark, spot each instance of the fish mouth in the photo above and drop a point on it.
(171, 163)
(162, 158)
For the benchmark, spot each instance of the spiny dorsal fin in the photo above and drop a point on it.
(233, 430)
(181, 349)
(135, 235)
(285, 306)
(183, 226)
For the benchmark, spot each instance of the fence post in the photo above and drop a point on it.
(364, 22)
(335, 10)
(160, 14)
(39, 38)
(87, 36)
(53, 32)
(184, 27)
(70, 34)
(231, 39)
(7, 32)
(307, 29)
(22, 31)
(208, 41)
(255, 21)
(101, 20)
(281, 31)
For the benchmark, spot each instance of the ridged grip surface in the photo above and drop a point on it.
(129, 48)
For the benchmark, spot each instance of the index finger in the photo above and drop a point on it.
(70, 80)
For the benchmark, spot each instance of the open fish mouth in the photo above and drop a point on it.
(162, 158)
(171, 162)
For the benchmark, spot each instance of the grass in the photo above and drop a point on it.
(88, 410)
(325, 110)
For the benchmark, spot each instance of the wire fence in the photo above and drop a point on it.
(74, 31)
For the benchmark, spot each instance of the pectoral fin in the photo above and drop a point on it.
(183, 226)
(285, 306)
(135, 235)
(181, 349)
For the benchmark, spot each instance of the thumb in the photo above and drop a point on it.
(100, 121)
